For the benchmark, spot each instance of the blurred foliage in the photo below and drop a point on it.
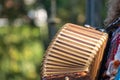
(21, 53)
(22, 48)
(12, 9)
(68, 10)
(72, 11)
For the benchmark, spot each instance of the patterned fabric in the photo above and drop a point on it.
(117, 56)
(113, 56)
(118, 75)
(114, 46)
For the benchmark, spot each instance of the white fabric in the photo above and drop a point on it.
(110, 68)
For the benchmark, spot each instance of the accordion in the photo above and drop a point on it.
(75, 53)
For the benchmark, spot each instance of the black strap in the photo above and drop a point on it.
(113, 26)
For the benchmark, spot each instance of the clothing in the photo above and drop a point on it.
(113, 54)
(115, 42)
(117, 77)
(111, 69)
(117, 56)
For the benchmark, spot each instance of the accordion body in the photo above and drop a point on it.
(75, 53)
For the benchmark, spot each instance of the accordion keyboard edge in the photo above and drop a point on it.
(74, 49)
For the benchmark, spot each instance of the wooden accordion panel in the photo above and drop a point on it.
(74, 50)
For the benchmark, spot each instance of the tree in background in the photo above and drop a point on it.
(12, 9)
(21, 48)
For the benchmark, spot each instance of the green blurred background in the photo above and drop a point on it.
(27, 27)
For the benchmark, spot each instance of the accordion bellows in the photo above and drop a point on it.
(74, 50)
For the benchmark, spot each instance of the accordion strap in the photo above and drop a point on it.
(114, 25)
